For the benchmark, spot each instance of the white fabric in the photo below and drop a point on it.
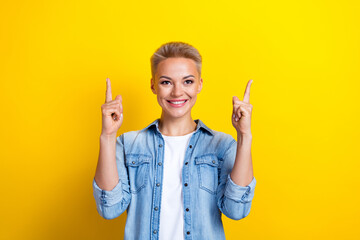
(172, 205)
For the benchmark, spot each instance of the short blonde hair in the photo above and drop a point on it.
(175, 49)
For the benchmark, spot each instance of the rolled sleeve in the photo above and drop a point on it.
(239, 193)
(107, 198)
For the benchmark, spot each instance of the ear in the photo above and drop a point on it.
(200, 85)
(152, 83)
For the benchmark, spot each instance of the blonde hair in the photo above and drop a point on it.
(175, 49)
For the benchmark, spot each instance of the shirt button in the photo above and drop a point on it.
(133, 162)
(187, 209)
(188, 233)
(186, 163)
(155, 232)
(185, 184)
(213, 161)
(190, 146)
(160, 145)
(159, 163)
(156, 208)
(158, 184)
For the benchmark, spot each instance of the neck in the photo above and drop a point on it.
(176, 126)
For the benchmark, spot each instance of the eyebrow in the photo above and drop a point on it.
(170, 78)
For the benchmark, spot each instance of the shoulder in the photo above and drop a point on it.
(223, 136)
(141, 135)
(130, 136)
(216, 143)
(225, 142)
(217, 137)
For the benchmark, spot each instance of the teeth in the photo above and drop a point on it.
(177, 102)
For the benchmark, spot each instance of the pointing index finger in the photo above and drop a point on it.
(108, 97)
(247, 92)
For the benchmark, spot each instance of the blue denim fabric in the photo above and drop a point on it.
(207, 187)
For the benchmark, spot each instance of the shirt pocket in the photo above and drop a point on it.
(138, 170)
(207, 167)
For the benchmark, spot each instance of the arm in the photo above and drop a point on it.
(237, 183)
(110, 184)
(106, 175)
(234, 200)
(242, 172)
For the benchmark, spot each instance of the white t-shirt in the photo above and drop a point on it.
(172, 205)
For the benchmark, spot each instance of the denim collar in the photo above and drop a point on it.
(199, 124)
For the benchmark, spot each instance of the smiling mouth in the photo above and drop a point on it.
(177, 102)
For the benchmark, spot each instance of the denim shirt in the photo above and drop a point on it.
(208, 189)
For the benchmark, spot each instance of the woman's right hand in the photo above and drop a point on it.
(112, 116)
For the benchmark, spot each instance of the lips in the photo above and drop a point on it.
(177, 102)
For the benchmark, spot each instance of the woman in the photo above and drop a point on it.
(176, 176)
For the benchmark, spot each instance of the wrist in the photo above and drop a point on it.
(105, 137)
(244, 135)
(244, 139)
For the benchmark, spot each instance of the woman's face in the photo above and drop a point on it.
(176, 85)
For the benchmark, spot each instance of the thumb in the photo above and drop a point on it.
(235, 98)
(233, 102)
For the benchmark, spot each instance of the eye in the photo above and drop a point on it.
(164, 82)
(189, 81)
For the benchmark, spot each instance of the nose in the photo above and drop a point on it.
(177, 91)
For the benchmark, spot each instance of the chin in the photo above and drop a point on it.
(175, 115)
(180, 115)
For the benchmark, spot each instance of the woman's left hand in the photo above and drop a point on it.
(241, 117)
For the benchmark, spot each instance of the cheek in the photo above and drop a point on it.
(162, 91)
(161, 95)
(192, 92)
(159, 98)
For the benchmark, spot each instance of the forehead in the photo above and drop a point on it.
(176, 67)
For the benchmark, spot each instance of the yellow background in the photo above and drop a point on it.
(303, 57)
